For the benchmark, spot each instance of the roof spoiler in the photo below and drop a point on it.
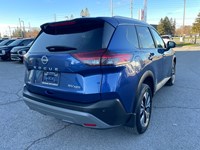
(72, 26)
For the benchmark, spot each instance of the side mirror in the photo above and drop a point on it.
(171, 44)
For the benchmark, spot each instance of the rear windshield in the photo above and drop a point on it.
(85, 37)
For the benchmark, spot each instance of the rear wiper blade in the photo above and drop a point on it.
(60, 48)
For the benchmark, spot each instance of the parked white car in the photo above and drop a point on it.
(166, 38)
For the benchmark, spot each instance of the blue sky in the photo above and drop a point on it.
(38, 12)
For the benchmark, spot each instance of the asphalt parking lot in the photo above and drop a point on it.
(175, 122)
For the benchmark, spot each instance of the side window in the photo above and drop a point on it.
(145, 37)
(26, 42)
(124, 38)
(158, 39)
(107, 34)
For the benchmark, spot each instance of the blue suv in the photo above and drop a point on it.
(98, 72)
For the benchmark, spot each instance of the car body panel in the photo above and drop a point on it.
(67, 78)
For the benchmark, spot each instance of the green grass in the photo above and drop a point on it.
(188, 41)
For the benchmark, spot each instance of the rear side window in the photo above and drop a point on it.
(87, 36)
(158, 39)
(124, 38)
(145, 37)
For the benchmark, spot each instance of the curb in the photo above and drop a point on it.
(187, 48)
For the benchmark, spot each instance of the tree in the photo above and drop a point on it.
(17, 33)
(26, 34)
(85, 13)
(167, 26)
(173, 26)
(72, 16)
(196, 25)
(187, 30)
(82, 13)
(160, 27)
(32, 33)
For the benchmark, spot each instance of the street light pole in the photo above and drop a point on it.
(20, 26)
(9, 31)
(145, 10)
(131, 7)
(184, 14)
(184, 18)
(29, 26)
(23, 28)
(111, 6)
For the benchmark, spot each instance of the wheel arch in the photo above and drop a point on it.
(149, 79)
(174, 60)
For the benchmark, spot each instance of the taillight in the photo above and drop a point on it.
(90, 58)
(115, 58)
(103, 58)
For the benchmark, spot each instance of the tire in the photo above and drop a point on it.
(21, 60)
(143, 111)
(171, 81)
(4, 58)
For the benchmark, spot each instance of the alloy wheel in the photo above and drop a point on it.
(145, 109)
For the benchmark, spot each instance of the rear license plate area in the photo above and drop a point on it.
(51, 78)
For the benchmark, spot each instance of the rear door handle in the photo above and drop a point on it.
(151, 56)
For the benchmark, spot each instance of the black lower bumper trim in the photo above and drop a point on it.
(109, 111)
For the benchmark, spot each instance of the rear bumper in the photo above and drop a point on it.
(102, 114)
(67, 115)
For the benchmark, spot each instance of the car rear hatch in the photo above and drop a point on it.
(64, 61)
